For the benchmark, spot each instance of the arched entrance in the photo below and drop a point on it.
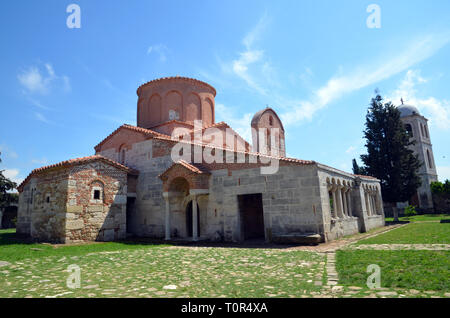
(190, 221)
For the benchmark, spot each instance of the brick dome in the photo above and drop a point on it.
(175, 98)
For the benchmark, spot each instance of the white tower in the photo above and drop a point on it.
(417, 127)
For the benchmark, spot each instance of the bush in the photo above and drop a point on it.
(440, 187)
(410, 210)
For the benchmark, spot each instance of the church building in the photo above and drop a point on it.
(180, 175)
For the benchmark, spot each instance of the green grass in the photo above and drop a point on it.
(14, 249)
(421, 217)
(414, 233)
(420, 270)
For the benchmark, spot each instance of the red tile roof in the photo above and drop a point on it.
(178, 78)
(195, 168)
(76, 161)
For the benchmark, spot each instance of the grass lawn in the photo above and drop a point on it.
(13, 249)
(420, 270)
(124, 270)
(422, 217)
(414, 233)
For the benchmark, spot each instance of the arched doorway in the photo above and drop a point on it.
(189, 220)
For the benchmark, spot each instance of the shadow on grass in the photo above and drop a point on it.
(10, 238)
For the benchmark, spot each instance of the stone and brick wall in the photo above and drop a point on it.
(92, 219)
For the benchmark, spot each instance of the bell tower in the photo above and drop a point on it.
(417, 127)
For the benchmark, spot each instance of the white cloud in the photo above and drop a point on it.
(39, 81)
(42, 161)
(365, 75)
(350, 149)
(41, 118)
(13, 175)
(443, 173)
(437, 111)
(240, 124)
(251, 65)
(159, 49)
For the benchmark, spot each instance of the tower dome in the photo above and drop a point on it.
(408, 110)
(175, 98)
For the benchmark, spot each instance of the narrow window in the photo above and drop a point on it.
(47, 199)
(122, 156)
(96, 194)
(430, 164)
(271, 121)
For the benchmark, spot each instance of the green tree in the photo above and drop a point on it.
(357, 169)
(5, 186)
(389, 157)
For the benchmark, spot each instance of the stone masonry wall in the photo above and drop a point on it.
(90, 219)
(42, 204)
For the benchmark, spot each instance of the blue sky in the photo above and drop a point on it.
(315, 62)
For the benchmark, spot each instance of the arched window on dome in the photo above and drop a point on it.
(270, 120)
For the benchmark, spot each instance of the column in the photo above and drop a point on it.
(374, 204)
(366, 198)
(344, 196)
(340, 207)
(194, 219)
(349, 203)
(166, 198)
(333, 192)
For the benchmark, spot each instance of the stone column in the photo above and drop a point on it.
(340, 207)
(349, 203)
(333, 192)
(366, 199)
(194, 219)
(344, 196)
(166, 198)
(374, 204)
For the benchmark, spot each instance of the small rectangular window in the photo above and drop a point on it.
(96, 194)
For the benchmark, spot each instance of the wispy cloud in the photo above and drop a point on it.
(160, 49)
(241, 124)
(438, 110)
(40, 117)
(42, 161)
(13, 175)
(365, 75)
(443, 173)
(251, 65)
(40, 80)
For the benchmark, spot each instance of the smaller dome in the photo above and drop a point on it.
(408, 110)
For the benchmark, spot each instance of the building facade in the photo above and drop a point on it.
(180, 175)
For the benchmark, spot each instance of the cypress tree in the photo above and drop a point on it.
(389, 157)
